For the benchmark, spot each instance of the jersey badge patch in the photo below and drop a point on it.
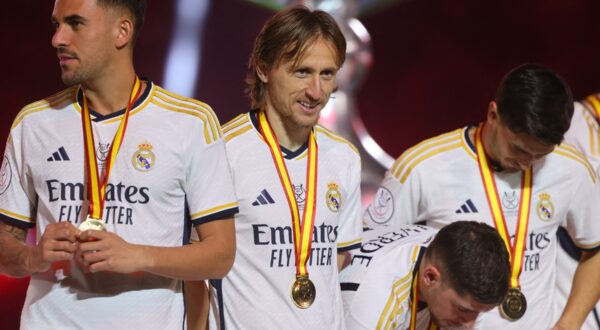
(545, 208)
(102, 153)
(5, 175)
(299, 194)
(333, 197)
(382, 206)
(143, 159)
(510, 200)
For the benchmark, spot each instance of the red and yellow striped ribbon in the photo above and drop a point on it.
(414, 308)
(97, 188)
(595, 103)
(517, 250)
(303, 228)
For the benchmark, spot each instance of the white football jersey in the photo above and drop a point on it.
(170, 172)
(256, 294)
(584, 134)
(438, 181)
(376, 285)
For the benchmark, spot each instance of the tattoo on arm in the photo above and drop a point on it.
(16, 232)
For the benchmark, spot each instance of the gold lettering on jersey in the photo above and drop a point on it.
(333, 197)
(545, 207)
(143, 159)
(516, 250)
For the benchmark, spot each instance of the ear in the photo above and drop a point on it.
(261, 75)
(492, 113)
(431, 276)
(124, 32)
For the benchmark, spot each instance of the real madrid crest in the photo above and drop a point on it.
(333, 197)
(143, 159)
(545, 208)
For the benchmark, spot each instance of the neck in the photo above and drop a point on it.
(289, 135)
(110, 93)
(486, 140)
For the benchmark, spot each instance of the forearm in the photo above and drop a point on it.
(210, 258)
(203, 260)
(585, 292)
(15, 257)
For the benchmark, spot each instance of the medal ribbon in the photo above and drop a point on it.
(517, 250)
(96, 188)
(303, 232)
(415, 304)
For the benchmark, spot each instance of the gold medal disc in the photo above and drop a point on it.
(514, 305)
(90, 223)
(303, 292)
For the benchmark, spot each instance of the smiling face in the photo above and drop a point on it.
(513, 151)
(297, 91)
(84, 39)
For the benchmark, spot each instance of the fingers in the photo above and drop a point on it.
(91, 235)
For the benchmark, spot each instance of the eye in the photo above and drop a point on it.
(302, 72)
(328, 74)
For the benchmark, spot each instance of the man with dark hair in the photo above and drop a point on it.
(297, 183)
(401, 279)
(112, 173)
(512, 173)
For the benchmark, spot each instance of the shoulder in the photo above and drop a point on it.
(571, 162)
(432, 152)
(333, 142)
(40, 109)
(237, 127)
(188, 108)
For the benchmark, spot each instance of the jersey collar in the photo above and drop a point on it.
(96, 117)
(287, 154)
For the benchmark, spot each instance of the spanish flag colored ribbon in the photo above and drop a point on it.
(517, 249)
(414, 308)
(303, 228)
(97, 188)
(595, 103)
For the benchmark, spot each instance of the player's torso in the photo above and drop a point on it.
(265, 234)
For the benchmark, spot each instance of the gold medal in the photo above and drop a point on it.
(303, 291)
(514, 305)
(90, 223)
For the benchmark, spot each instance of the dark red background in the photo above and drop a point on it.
(436, 64)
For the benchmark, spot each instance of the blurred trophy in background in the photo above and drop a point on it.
(341, 114)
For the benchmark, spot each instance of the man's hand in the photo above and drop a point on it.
(58, 243)
(106, 251)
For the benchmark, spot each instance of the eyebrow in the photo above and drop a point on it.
(70, 19)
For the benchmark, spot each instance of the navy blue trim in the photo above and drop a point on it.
(183, 322)
(216, 216)
(287, 154)
(218, 285)
(187, 225)
(567, 244)
(349, 247)
(347, 286)
(98, 117)
(16, 222)
(596, 316)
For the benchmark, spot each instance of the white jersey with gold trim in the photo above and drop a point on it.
(438, 181)
(257, 291)
(584, 134)
(170, 172)
(376, 285)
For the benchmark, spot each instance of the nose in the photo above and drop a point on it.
(313, 90)
(58, 38)
(468, 321)
(525, 162)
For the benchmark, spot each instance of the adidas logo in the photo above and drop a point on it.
(60, 155)
(263, 199)
(467, 207)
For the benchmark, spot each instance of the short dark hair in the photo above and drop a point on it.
(534, 100)
(285, 36)
(137, 8)
(473, 260)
